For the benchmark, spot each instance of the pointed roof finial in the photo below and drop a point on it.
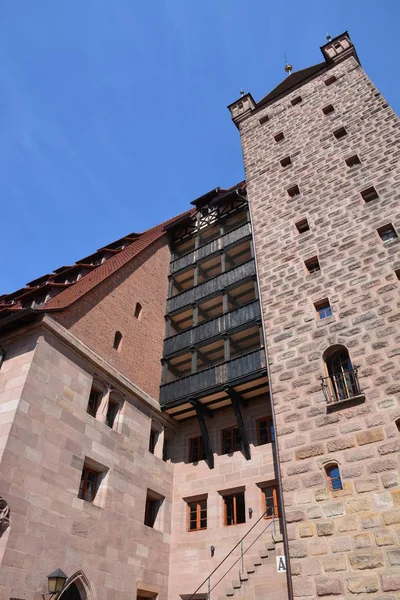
(241, 92)
(288, 66)
(328, 37)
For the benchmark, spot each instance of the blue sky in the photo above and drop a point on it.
(113, 113)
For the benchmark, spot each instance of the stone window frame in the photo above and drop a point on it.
(296, 100)
(384, 230)
(201, 451)
(328, 467)
(322, 307)
(99, 387)
(286, 162)
(115, 400)
(234, 495)
(302, 225)
(153, 513)
(353, 161)
(138, 311)
(117, 343)
(274, 488)
(197, 502)
(234, 432)
(100, 481)
(270, 430)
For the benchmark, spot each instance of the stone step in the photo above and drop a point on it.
(236, 584)
(250, 569)
(244, 576)
(270, 546)
(278, 537)
(264, 553)
(229, 592)
(257, 562)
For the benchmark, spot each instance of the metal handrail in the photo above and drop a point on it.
(240, 542)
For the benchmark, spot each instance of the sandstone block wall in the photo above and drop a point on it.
(191, 560)
(344, 543)
(49, 438)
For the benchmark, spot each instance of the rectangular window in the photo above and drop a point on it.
(234, 509)
(286, 162)
(296, 100)
(323, 309)
(270, 501)
(196, 449)
(112, 411)
(312, 265)
(197, 515)
(94, 402)
(302, 226)
(89, 484)
(339, 133)
(369, 194)
(152, 508)
(265, 431)
(294, 191)
(330, 80)
(264, 119)
(353, 161)
(231, 440)
(152, 440)
(279, 137)
(387, 233)
(327, 110)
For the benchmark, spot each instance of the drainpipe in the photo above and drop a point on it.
(276, 449)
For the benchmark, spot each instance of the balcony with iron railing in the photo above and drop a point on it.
(342, 387)
(243, 367)
(212, 328)
(212, 247)
(212, 286)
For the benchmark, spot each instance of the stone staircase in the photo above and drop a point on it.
(261, 554)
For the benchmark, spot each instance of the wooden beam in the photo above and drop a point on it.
(201, 411)
(236, 401)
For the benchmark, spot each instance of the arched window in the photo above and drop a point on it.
(117, 341)
(342, 380)
(334, 478)
(138, 311)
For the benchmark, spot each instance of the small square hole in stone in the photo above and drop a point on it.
(296, 100)
(294, 191)
(327, 110)
(279, 137)
(339, 133)
(387, 233)
(264, 119)
(353, 161)
(369, 194)
(312, 265)
(302, 226)
(330, 80)
(285, 162)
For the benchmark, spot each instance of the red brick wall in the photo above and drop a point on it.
(110, 306)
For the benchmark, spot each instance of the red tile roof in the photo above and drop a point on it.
(65, 293)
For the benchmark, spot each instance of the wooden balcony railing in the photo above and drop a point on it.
(209, 329)
(214, 246)
(212, 286)
(217, 376)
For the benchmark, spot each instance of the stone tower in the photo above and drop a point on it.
(321, 155)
